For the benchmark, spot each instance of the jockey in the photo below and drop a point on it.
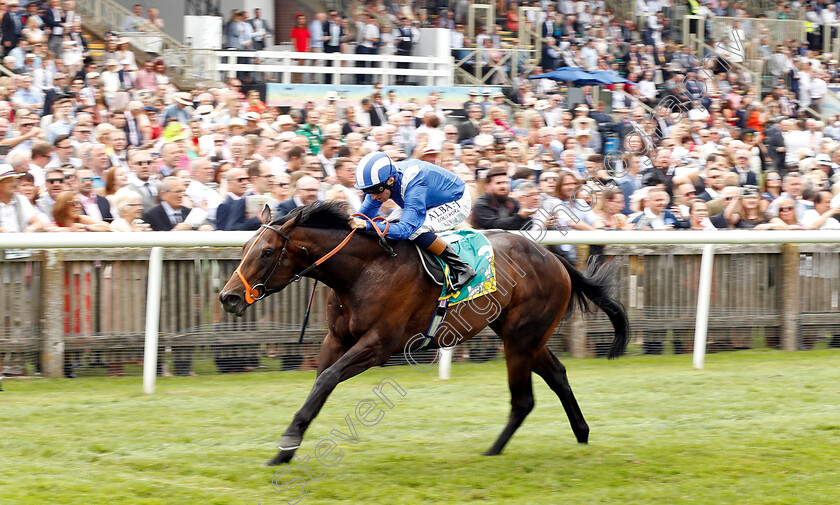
(432, 200)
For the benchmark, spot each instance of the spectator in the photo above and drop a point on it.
(93, 205)
(68, 214)
(698, 219)
(202, 189)
(239, 218)
(55, 184)
(495, 210)
(134, 22)
(262, 30)
(306, 192)
(822, 216)
(12, 26)
(656, 215)
(129, 210)
(170, 213)
(16, 213)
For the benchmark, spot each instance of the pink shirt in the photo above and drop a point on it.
(90, 206)
(145, 80)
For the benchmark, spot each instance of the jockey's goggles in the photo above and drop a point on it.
(375, 190)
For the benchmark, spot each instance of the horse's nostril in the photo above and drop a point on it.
(231, 300)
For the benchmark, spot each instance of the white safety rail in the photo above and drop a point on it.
(423, 70)
(158, 240)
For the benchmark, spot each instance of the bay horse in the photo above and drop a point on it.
(379, 305)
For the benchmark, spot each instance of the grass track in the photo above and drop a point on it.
(756, 427)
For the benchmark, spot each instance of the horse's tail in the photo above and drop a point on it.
(597, 284)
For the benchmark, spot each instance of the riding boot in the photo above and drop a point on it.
(461, 272)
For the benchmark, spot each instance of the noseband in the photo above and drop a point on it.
(261, 290)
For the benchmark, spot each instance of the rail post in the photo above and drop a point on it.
(704, 295)
(52, 289)
(789, 299)
(152, 320)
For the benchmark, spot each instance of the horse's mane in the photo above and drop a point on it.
(332, 215)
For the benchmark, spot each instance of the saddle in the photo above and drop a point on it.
(431, 265)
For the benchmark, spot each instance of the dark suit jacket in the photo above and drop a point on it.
(50, 20)
(235, 218)
(374, 117)
(156, 217)
(9, 32)
(719, 221)
(222, 213)
(705, 196)
(285, 207)
(104, 208)
(751, 178)
(466, 130)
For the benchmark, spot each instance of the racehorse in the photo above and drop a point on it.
(379, 305)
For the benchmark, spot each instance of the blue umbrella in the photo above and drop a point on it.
(569, 74)
(610, 77)
(582, 77)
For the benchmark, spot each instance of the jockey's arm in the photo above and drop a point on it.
(414, 212)
(370, 208)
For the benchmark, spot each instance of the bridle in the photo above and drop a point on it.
(259, 291)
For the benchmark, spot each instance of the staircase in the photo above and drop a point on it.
(102, 16)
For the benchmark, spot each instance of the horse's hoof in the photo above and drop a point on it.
(289, 442)
(490, 452)
(280, 458)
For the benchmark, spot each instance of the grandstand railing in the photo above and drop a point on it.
(286, 66)
(491, 67)
(85, 292)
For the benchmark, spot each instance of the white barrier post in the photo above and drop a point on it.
(704, 294)
(152, 320)
(445, 366)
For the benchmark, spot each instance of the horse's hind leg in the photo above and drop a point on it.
(521, 394)
(547, 366)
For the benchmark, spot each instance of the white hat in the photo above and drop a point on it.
(252, 116)
(696, 115)
(111, 61)
(285, 119)
(332, 96)
(542, 105)
(92, 75)
(823, 159)
(183, 98)
(203, 110)
(6, 172)
(237, 122)
(286, 136)
(584, 132)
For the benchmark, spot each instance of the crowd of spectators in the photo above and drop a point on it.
(122, 149)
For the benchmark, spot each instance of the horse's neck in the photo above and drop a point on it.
(342, 271)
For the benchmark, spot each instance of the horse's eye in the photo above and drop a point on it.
(268, 253)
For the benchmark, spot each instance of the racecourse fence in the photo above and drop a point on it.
(98, 297)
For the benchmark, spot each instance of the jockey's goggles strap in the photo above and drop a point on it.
(375, 190)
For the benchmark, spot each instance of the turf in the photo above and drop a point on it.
(757, 427)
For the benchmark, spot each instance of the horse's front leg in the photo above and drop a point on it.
(367, 353)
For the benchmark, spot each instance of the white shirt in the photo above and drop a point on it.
(9, 213)
(369, 31)
(38, 174)
(811, 215)
(199, 192)
(818, 88)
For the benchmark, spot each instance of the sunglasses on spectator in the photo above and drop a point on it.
(282, 184)
(786, 209)
(26, 124)
(86, 179)
(143, 162)
(774, 178)
(53, 181)
(242, 179)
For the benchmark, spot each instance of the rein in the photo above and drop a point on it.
(259, 291)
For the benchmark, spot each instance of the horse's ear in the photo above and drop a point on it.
(265, 215)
